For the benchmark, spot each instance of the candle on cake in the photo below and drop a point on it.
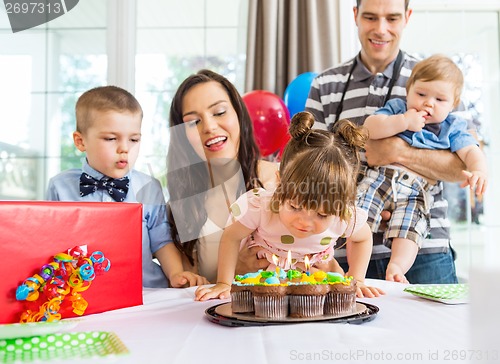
(307, 277)
(292, 274)
(307, 265)
(276, 263)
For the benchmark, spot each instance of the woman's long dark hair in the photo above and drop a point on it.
(188, 178)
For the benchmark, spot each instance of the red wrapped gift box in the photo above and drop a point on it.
(32, 232)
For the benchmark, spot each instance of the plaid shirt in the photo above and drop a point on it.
(366, 94)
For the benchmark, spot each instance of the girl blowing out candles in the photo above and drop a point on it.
(312, 206)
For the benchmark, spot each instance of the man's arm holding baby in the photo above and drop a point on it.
(433, 164)
(383, 149)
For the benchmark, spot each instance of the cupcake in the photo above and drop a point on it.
(241, 294)
(241, 298)
(307, 300)
(341, 299)
(270, 301)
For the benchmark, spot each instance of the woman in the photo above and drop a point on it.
(212, 159)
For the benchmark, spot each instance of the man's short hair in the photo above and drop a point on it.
(407, 3)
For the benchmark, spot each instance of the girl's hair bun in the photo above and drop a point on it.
(301, 124)
(350, 134)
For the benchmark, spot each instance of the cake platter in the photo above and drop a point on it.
(222, 314)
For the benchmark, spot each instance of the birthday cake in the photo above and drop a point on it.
(276, 295)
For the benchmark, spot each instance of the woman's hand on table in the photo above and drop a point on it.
(187, 279)
(219, 290)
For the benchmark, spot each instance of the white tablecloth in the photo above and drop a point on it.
(172, 328)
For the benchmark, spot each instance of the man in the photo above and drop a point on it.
(355, 90)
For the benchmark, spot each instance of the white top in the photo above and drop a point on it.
(207, 250)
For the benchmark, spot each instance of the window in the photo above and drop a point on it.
(176, 39)
(469, 33)
(44, 70)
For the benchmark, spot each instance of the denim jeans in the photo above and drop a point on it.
(427, 268)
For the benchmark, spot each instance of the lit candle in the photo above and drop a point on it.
(275, 261)
(306, 263)
(289, 260)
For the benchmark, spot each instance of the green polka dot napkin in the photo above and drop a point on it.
(60, 346)
(445, 293)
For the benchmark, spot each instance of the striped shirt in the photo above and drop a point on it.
(366, 94)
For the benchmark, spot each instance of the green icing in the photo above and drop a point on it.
(238, 278)
(334, 278)
(266, 274)
(287, 239)
(292, 273)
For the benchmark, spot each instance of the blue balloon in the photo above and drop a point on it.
(296, 93)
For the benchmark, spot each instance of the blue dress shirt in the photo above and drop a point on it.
(453, 132)
(143, 189)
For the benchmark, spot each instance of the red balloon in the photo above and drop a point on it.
(270, 118)
(282, 149)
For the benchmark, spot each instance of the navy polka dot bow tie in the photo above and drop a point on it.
(117, 188)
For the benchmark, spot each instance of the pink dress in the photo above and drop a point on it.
(253, 211)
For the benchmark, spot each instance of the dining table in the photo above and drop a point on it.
(171, 327)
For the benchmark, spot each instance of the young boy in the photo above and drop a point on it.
(424, 121)
(108, 130)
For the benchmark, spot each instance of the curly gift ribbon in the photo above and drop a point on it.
(65, 277)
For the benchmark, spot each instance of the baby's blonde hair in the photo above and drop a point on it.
(319, 168)
(103, 98)
(438, 68)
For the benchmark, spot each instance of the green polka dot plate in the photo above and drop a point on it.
(66, 346)
(445, 293)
